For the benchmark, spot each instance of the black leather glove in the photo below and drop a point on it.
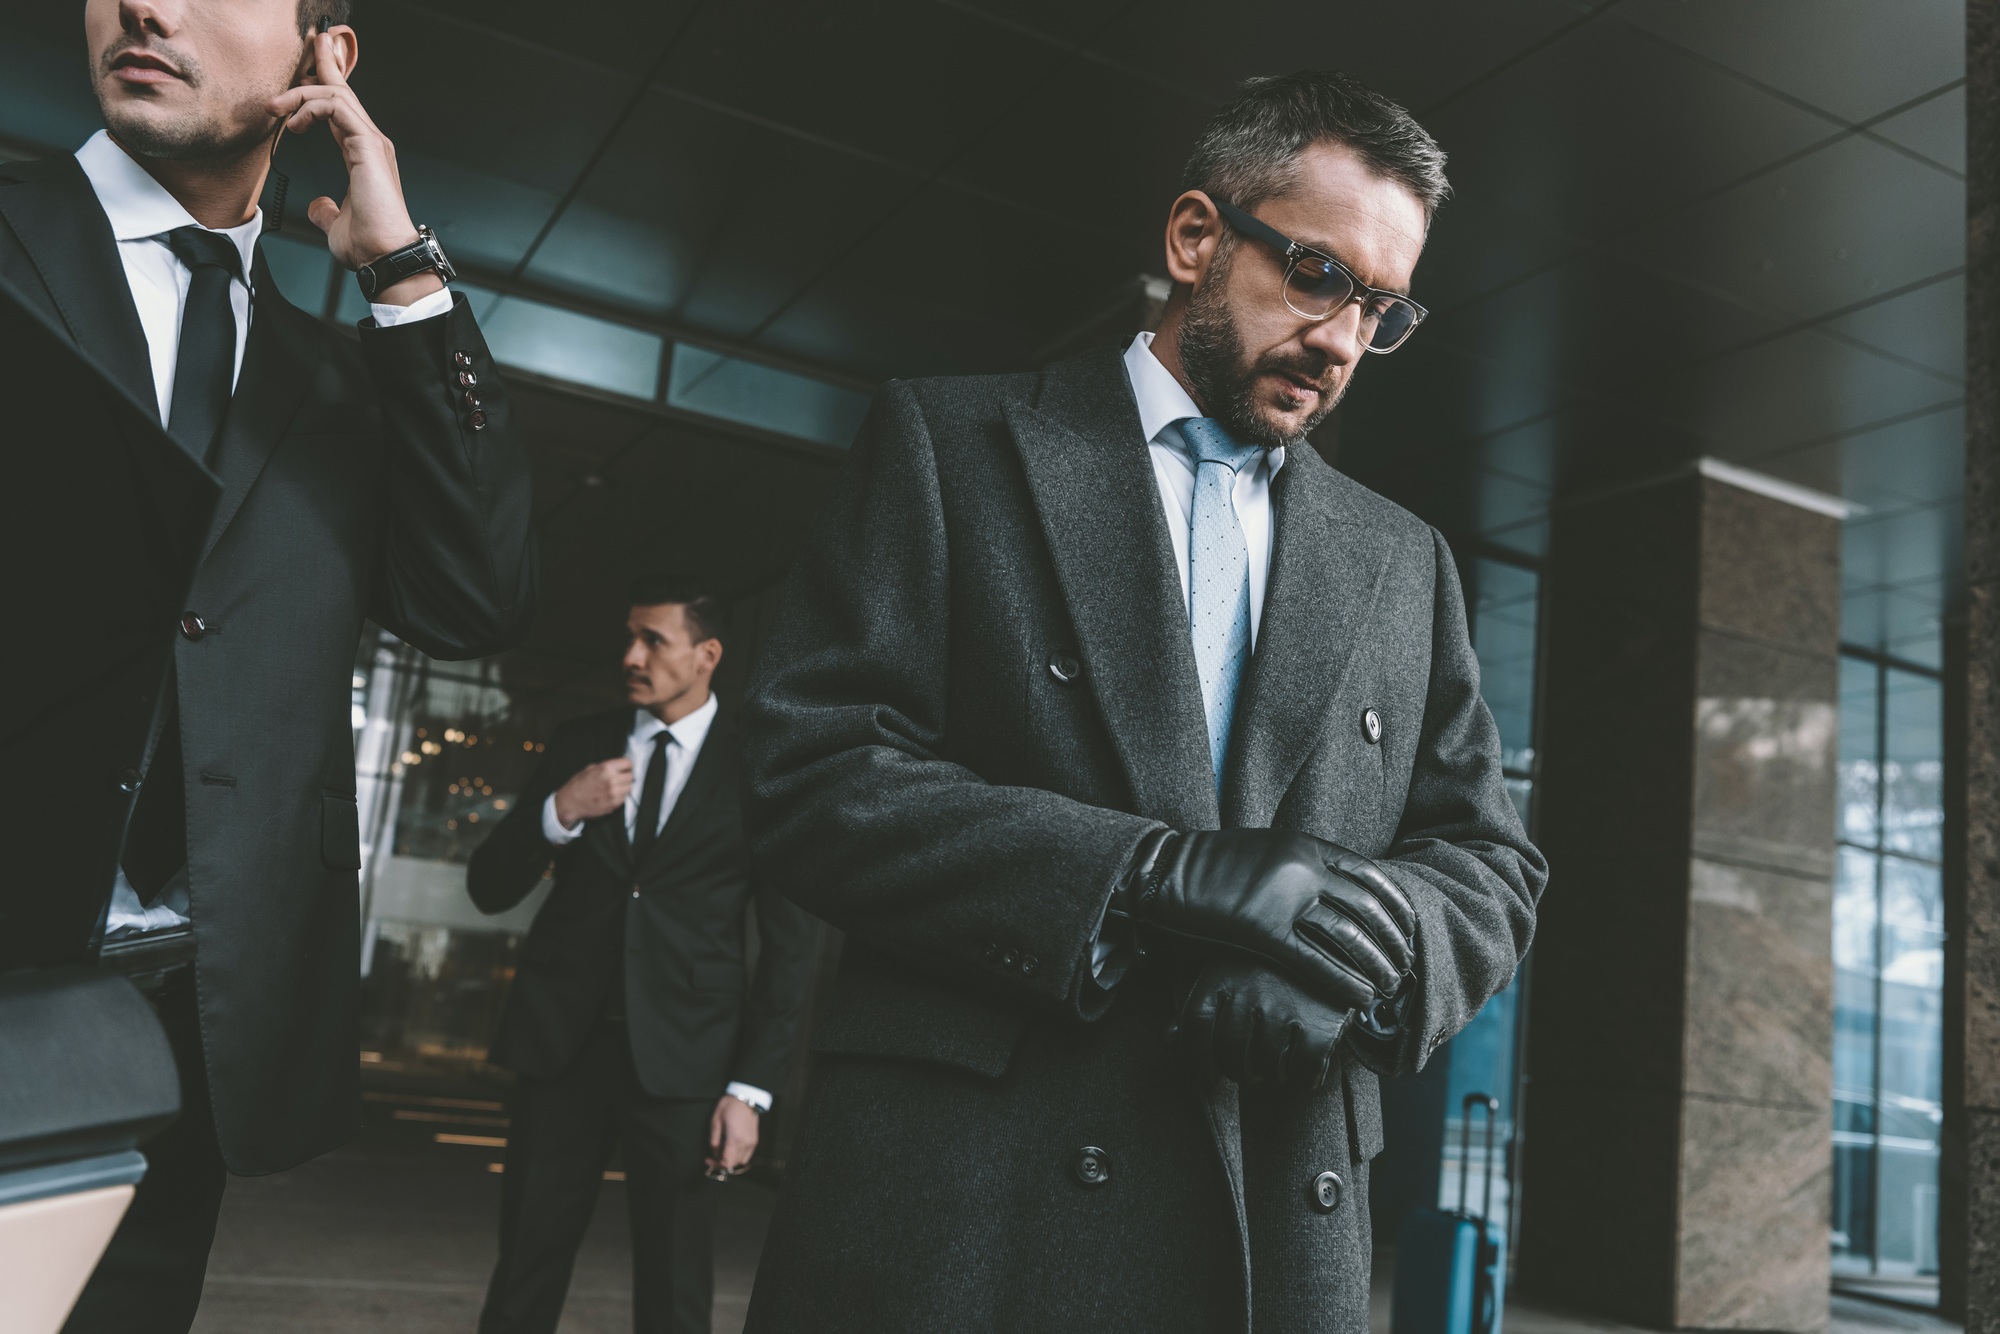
(1330, 919)
(1244, 1022)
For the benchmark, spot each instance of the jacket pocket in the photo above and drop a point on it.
(339, 832)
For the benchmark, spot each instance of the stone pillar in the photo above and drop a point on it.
(1678, 1148)
(1972, 977)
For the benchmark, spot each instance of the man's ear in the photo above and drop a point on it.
(347, 53)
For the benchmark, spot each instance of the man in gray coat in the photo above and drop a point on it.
(1141, 756)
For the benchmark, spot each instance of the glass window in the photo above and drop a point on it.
(763, 396)
(561, 343)
(1505, 601)
(1888, 957)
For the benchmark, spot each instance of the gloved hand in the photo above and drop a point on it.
(1244, 1022)
(1328, 918)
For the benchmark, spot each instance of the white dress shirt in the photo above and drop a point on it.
(1162, 402)
(141, 213)
(683, 749)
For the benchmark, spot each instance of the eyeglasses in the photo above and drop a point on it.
(1318, 285)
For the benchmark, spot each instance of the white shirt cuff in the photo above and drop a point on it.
(423, 308)
(749, 1093)
(552, 828)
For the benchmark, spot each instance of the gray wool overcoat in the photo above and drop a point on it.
(978, 700)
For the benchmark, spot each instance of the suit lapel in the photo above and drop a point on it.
(1326, 571)
(1099, 506)
(54, 213)
(278, 363)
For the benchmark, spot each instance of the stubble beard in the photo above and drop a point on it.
(1211, 352)
(199, 133)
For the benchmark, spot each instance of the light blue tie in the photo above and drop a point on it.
(1218, 578)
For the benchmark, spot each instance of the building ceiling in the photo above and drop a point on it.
(1680, 228)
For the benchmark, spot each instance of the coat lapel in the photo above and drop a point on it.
(1099, 506)
(278, 363)
(1326, 571)
(55, 215)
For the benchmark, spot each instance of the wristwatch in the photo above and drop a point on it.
(423, 255)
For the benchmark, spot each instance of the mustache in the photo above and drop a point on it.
(1316, 370)
(185, 66)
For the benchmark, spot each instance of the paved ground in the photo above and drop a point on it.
(395, 1235)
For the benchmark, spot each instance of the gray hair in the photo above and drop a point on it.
(1249, 150)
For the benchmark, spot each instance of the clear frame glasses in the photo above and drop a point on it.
(1317, 285)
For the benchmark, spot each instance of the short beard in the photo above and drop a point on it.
(1211, 351)
(193, 137)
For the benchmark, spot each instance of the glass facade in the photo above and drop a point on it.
(1504, 601)
(441, 749)
(1888, 957)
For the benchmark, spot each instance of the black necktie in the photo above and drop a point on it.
(651, 795)
(205, 367)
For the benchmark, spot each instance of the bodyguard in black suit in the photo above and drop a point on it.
(1102, 660)
(633, 1016)
(376, 479)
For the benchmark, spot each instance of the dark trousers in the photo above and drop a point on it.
(149, 1281)
(560, 1137)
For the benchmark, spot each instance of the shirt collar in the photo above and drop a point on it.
(688, 732)
(139, 207)
(1163, 401)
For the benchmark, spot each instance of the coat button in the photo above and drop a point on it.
(128, 781)
(1326, 1192)
(635, 891)
(193, 627)
(463, 360)
(478, 420)
(1065, 668)
(467, 380)
(1091, 1166)
(1030, 965)
(1371, 726)
(1008, 959)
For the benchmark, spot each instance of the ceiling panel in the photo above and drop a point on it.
(1417, 54)
(1800, 388)
(1853, 220)
(1918, 461)
(870, 73)
(1903, 549)
(1927, 325)
(1853, 58)
(1574, 136)
(1935, 128)
(620, 35)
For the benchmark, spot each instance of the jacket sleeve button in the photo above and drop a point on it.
(128, 781)
(1371, 726)
(1030, 965)
(462, 360)
(1091, 1166)
(1326, 1192)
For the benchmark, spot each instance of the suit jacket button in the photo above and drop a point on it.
(478, 419)
(462, 360)
(1008, 959)
(1371, 726)
(635, 891)
(1326, 1192)
(1030, 965)
(193, 627)
(128, 780)
(991, 952)
(1064, 668)
(1091, 1166)
(467, 380)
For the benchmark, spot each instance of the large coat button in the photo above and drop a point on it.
(128, 781)
(1065, 668)
(1371, 726)
(193, 627)
(1326, 1192)
(1091, 1166)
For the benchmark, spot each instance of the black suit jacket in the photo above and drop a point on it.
(695, 1017)
(352, 486)
(978, 701)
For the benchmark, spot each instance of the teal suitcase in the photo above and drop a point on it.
(1451, 1265)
